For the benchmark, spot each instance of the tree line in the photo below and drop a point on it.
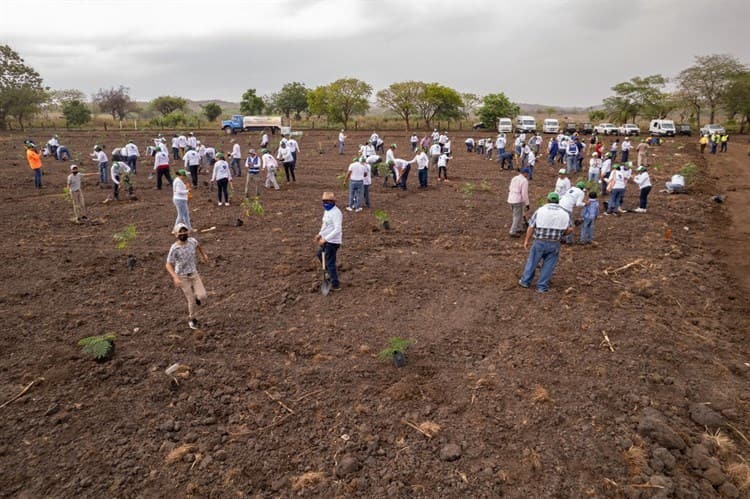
(713, 83)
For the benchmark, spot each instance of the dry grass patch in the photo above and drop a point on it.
(635, 458)
(308, 480)
(541, 395)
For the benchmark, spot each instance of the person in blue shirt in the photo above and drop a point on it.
(590, 213)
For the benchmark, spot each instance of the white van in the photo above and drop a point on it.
(504, 125)
(551, 125)
(525, 124)
(662, 128)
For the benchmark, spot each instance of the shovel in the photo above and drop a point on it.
(325, 286)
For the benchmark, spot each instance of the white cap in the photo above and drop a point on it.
(73, 167)
(178, 227)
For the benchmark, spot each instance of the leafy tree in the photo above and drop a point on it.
(114, 101)
(707, 81)
(401, 98)
(269, 104)
(251, 104)
(292, 98)
(638, 96)
(496, 106)
(471, 103)
(76, 113)
(597, 115)
(340, 100)
(212, 111)
(58, 98)
(21, 90)
(737, 99)
(438, 102)
(167, 104)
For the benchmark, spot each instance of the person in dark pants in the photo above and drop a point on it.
(329, 237)
(161, 165)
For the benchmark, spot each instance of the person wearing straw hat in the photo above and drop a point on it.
(547, 225)
(329, 237)
(182, 266)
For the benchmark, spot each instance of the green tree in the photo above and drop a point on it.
(470, 105)
(401, 98)
(21, 90)
(737, 99)
(639, 96)
(496, 106)
(619, 109)
(597, 115)
(114, 101)
(76, 113)
(292, 98)
(58, 98)
(212, 111)
(438, 102)
(340, 100)
(251, 104)
(707, 81)
(167, 104)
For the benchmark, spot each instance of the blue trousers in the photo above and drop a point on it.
(330, 250)
(548, 253)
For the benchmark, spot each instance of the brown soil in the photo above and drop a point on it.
(515, 393)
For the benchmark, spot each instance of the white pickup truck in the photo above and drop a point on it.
(605, 129)
(629, 129)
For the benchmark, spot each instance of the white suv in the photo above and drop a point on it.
(629, 129)
(605, 129)
(712, 129)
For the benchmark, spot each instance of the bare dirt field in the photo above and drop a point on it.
(507, 392)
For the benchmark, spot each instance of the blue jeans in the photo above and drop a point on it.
(183, 214)
(547, 252)
(38, 178)
(570, 163)
(103, 172)
(175, 153)
(593, 177)
(531, 171)
(330, 249)
(366, 194)
(625, 155)
(422, 175)
(587, 230)
(235, 167)
(132, 163)
(615, 200)
(341, 147)
(355, 193)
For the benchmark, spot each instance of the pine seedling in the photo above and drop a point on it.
(395, 344)
(125, 237)
(98, 347)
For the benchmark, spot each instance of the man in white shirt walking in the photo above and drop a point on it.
(235, 164)
(342, 139)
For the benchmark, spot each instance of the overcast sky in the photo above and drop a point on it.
(556, 52)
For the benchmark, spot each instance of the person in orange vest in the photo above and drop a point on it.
(35, 163)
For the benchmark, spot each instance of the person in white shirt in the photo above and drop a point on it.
(605, 172)
(616, 188)
(469, 144)
(293, 146)
(595, 167)
(285, 155)
(329, 237)
(442, 139)
(414, 141)
(132, 153)
(435, 151)
(182, 143)
(380, 145)
(163, 146)
(180, 196)
(366, 183)
(625, 148)
(480, 147)
(390, 160)
(563, 182)
(252, 163)
(222, 176)
(422, 162)
(643, 181)
(500, 146)
(192, 161)
(264, 140)
(574, 197)
(120, 170)
(447, 147)
(53, 143)
(401, 168)
(355, 175)
(435, 135)
(676, 184)
(235, 164)
(613, 149)
(210, 155)
(374, 138)
(101, 159)
(192, 141)
(175, 147)
(488, 146)
(202, 154)
(442, 167)
(270, 165)
(342, 139)
(161, 165)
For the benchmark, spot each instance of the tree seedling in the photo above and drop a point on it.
(383, 219)
(252, 205)
(467, 189)
(395, 351)
(101, 348)
(125, 237)
(66, 195)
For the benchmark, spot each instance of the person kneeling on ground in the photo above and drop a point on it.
(676, 184)
(181, 265)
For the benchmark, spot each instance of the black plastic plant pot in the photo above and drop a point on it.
(109, 355)
(399, 359)
(386, 225)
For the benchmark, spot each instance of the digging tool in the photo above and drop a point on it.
(325, 286)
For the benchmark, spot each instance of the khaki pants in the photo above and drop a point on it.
(516, 227)
(79, 204)
(193, 288)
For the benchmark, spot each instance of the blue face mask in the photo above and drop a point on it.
(327, 205)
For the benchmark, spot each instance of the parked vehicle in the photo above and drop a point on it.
(479, 126)
(240, 123)
(712, 129)
(550, 125)
(525, 124)
(606, 129)
(570, 128)
(684, 129)
(662, 128)
(505, 125)
(629, 129)
(587, 128)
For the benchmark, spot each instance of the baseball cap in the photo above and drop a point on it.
(525, 170)
(553, 197)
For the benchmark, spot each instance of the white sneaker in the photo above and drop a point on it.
(358, 209)
(640, 210)
(226, 204)
(348, 208)
(220, 204)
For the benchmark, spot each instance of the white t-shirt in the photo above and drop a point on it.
(562, 185)
(236, 153)
(422, 160)
(191, 158)
(357, 171)
(179, 191)
(330, 229)
(573, 197)
(181, 141)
